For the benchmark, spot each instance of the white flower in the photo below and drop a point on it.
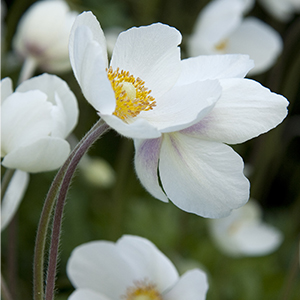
(243, 233)
(36, 119)
(43, 34)
(130, 269)
(220, 28)
(13, 196)
(181, 122)
(282, 10)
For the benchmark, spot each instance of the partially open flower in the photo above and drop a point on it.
(36, 119)
(130, 269)
(221, 28)
(43, 35)
(243, 232)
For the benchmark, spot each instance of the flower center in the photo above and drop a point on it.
(222, 46)
(132, 97)
(142, 290)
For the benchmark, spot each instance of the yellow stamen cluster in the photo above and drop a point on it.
(132, 97)
(142, 290)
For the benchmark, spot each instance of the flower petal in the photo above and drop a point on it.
(85, 294)
(214, 67)
(245, 110)
(13, 196)
(148, 261)
(151, 53)
(6, 88)
(88, 63)
(59, 94)
(146, 163)
(191, 285)
(202, 177)
(183, 105)
(25, 118)
(257, 39)
(139, 129)
(257, 239)
(45, 154)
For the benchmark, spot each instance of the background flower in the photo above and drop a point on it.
(243, 232)
(220, 28)
(130, 268)
(43, 33)
(36, 119)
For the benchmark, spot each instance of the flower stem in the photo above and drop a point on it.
(4, 290)
(59, 185)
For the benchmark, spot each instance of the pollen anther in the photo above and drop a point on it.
(132, 97)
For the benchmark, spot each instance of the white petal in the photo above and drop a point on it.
(89, 66)
(259, 40)
(202, 177)
(59, 94)
(214, 67)
(148, 261)
(45, 154)
(25, 118)
(85, 294)
(146, 163)
(6, 88)
(98, 266)
(245, 110)
(139, 129)
(13, 196)
(192, 285)
(183, 106)
(89, 20)
(151, 53)
(215, 23)
(257, 239)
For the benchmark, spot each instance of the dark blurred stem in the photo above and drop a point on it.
(124, 160)
(4, 290)
(6, 180)
(100, 128)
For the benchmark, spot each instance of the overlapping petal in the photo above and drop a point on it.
(191, 285)
(85, 294)
(201, 176)
(13, 196)
(6, 88)
(41, 155)
(245, 110)
(151, 53)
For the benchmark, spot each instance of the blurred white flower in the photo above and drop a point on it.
(243, 232)
(282, 10)
(36, 119)
(221, 28)
(43, 33)
(13, 196)
(130, 269)
(181, 113)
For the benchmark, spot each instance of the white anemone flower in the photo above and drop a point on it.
(283, 10)
(221, 28)
(179, 112)
(43, 33)
(243, 232)
(36, 119)
(130, 269)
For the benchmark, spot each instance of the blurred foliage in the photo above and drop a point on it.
(93, 213)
